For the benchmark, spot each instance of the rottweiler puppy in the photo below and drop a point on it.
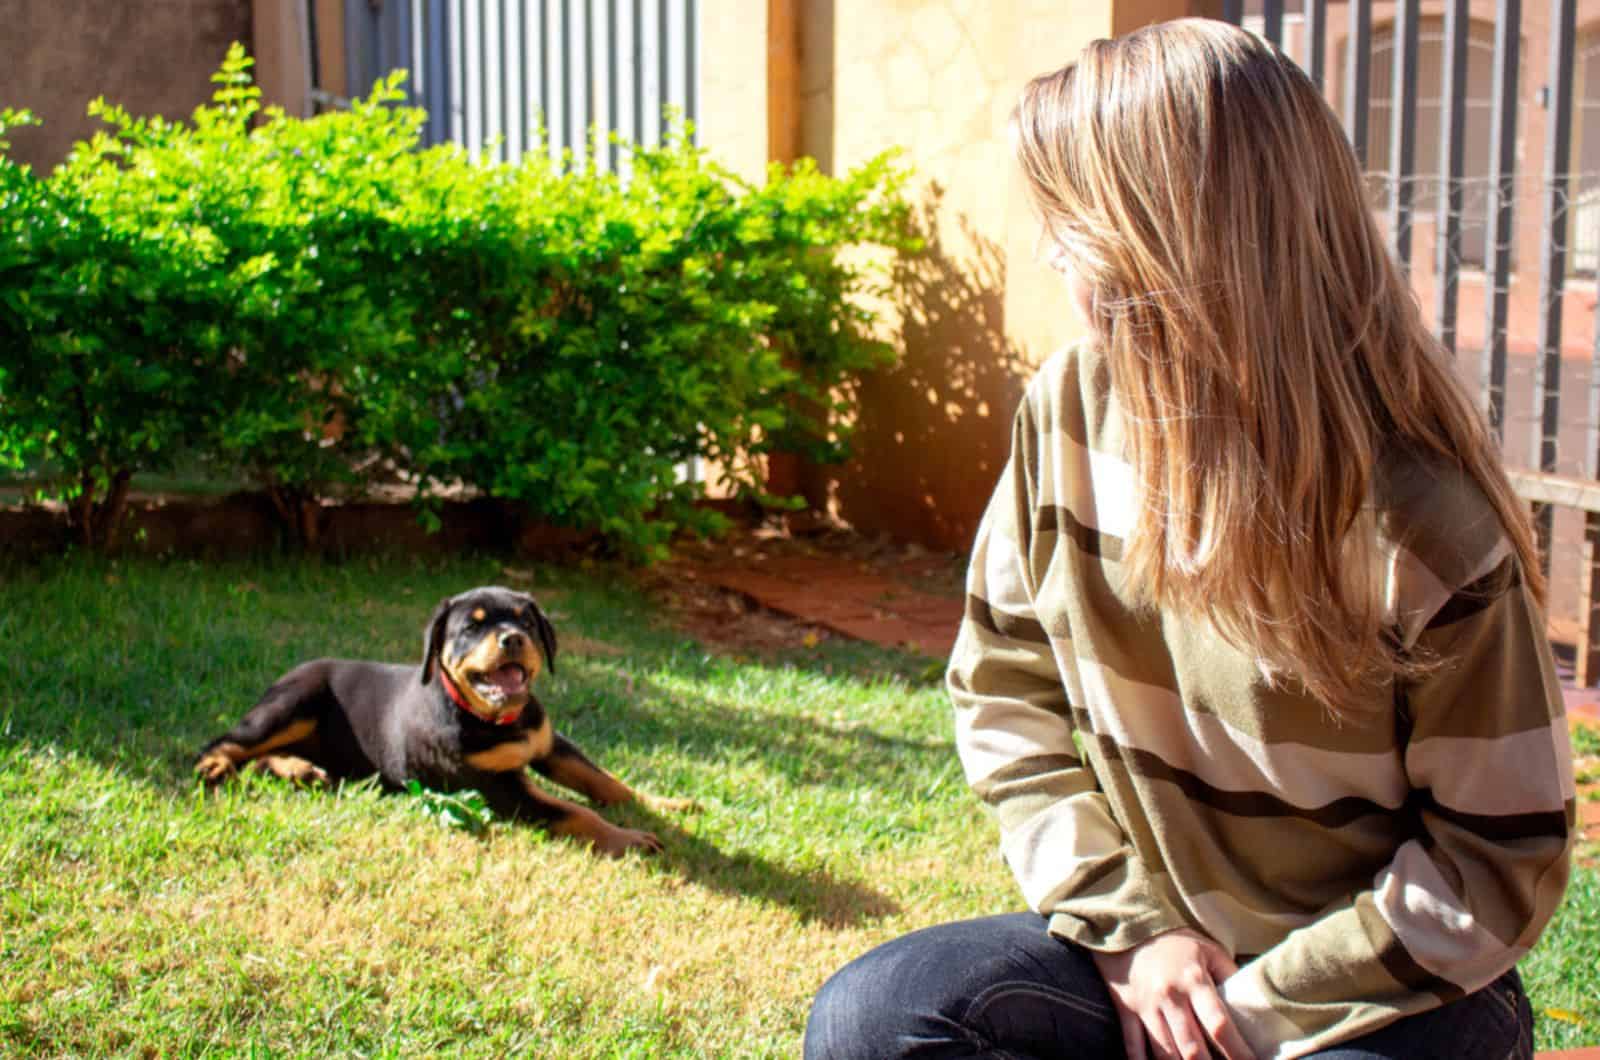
(465, 718)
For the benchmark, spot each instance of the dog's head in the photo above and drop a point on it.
(488, 642)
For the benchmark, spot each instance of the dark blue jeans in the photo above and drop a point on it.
(1003, 987)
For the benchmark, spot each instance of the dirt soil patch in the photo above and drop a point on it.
(773, 588)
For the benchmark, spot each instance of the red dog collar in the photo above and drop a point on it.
(461, 701)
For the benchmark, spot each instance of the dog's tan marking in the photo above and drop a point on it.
(219, 761)
(226, 757)
(517, 752)
(588, 780)
(485, 657)
(293, 732)
(585, 824)
(292, 768)
(479, 614)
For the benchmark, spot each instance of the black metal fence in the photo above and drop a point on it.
(1473, 127)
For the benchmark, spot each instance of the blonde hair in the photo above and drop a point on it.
(1262, 341)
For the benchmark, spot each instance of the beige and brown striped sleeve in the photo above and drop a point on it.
(1015, 735)
(1492, 809)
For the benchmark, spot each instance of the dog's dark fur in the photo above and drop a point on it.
(336, 719)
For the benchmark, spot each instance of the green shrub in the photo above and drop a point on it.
(283, 219)
(308, 301)
(107, 341)
(633, 325)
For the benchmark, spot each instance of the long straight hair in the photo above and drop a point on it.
(1262, 342)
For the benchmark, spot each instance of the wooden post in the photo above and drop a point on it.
(783, 80)
(1587, 667)
(784, 470)
(1543, 489)
(282, 70)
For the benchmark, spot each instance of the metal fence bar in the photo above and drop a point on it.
(575, 57)
(1316, 15)
(675, 72)
(1586, 668)
(1272, 22)
(593, 125)
(691, 52)
(647, 35)
(1452, 153)
(663, 69)
(457, 51)
(553, 45)
(532, 112)
(420, 74)
(1553, 265)
(493, 73)
(600, 110)
(1358, 75)
(1403, 128)
(1591, 454)
(627, 88)
(436, 66)
(511, 90)
(360, 48)
(1502, 189)
(1233, 11)
(472, 74)
(395, 45)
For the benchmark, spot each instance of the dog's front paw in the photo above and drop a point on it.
(614, 842)
(214, 767)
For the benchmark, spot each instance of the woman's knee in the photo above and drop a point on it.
(855, 1012)
(955, 990)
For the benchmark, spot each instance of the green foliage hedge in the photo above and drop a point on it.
(307, 302)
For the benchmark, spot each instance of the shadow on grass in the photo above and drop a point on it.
(814, 894)
(806, 750)
(134, 666)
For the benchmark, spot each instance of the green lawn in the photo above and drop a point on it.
(140, 916)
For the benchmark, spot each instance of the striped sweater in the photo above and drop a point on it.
(1146, 775)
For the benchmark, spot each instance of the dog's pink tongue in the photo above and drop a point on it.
(510, 679)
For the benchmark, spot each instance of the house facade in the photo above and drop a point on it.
(778, 79)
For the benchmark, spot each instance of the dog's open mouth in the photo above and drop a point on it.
(501, 686)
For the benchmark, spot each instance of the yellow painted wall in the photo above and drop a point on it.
(977, 313)
(733, 84)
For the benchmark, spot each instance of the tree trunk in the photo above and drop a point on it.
(98, 521)
(300, 515)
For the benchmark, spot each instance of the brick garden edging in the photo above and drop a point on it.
(245, 524)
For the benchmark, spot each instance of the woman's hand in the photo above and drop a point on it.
(1165, 991)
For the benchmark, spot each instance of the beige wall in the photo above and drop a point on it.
(733, 84)
(154, 57)
(936, 79)
(282, 54)
(976, 313)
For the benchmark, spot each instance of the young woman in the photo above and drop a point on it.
(1254, 672)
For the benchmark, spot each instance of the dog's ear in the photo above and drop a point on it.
(547, 634)
(433, 637)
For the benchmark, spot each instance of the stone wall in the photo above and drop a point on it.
(154, 57)
(976, 312)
